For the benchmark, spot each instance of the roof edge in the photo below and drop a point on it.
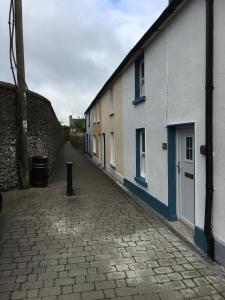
(169, 10)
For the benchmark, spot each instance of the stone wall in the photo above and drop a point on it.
(45, 135)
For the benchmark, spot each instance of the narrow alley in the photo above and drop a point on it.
(97, 244)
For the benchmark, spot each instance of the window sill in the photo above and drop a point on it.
(141, 181)
(139, 100)
(111, 114)
(113, 166)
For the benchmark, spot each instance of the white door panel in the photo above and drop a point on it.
(186, 166)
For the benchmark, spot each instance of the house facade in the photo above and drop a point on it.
(171, 119)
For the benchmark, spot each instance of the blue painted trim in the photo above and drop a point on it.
(157, 205)
(200, 240)
(137, 76)
(141, 181)
(138, 100)
(171, 137)
(138, 152)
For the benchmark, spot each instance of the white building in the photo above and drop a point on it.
(173, 103)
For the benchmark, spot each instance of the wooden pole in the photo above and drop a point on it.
(22, 99)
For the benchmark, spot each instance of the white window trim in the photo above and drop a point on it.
(142, 156)
(98, 113)
(112, 149)
(111, 101)
(94, 144)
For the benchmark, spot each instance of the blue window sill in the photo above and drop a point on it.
(141, 181)
(138, 100)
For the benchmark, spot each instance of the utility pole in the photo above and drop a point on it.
(22, 98)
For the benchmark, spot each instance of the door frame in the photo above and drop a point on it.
(179, 178)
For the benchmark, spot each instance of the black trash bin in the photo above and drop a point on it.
(39, 171)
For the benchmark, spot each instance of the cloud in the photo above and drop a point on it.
(72, 47)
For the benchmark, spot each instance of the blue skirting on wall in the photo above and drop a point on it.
(157, 205)
(200, 240)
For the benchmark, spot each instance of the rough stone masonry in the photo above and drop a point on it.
(45, 135)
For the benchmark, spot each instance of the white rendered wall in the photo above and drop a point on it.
(219, 120)
(175, 94)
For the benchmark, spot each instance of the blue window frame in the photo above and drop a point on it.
(139, 80)
(140, 157)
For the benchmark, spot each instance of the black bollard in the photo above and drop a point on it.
(69, 166)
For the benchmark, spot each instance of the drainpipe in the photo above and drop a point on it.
(209, 129)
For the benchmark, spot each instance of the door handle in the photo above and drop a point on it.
(178, 167)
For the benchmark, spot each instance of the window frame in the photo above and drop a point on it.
(112, 150)
(139, 95)
(141, 157)
(94, 147)
(111, 101)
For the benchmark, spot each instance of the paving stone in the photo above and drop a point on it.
(75, 273)
(126, 291)
(94, 295)
(150, 296)
(32, 293)
(205, 290)
(18, 295)
(97, 245)
(49, 291)
(64, 281)
(68, 289)
(109, 294)
(106, 284)
(73, 296)
(115, 275)
(83, 287)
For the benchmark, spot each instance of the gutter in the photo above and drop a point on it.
(209, 129)
(135, 51)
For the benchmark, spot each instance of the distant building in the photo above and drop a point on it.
(76, 125)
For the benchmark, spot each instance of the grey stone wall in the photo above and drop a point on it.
(45, 135)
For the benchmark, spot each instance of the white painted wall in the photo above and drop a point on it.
(219, 121)
(175, 94)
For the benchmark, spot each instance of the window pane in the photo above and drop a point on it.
(143, 141)
(187, 142)
(142, 70)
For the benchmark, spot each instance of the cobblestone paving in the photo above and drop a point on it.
(96, 245)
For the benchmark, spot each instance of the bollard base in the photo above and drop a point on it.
(69, 191)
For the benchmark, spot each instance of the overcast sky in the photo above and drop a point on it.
(73, 46)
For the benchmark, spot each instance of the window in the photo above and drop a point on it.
(98, 113)
(89, 119)
(142, 78)
(142, 153)
(112, 149)
(140, 157)
(94, 116)
(139, 80)
(189, 148)
(99, 149)
(94, 144)
(111, 101)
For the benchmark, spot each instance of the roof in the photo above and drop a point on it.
(163, 18)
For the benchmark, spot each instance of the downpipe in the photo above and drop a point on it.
(209, 128)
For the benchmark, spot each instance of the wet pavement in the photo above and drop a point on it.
(98, 244)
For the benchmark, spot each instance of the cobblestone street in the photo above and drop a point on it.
(98, 244)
